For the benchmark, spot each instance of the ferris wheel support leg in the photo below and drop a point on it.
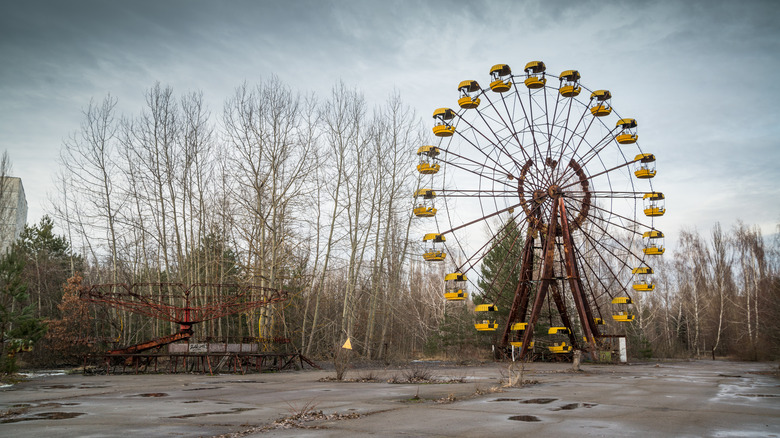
(556, 294)
(575, 283)
(519, 307)
(546, 279)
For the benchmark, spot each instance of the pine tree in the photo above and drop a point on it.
(500, 271)
(19, 329)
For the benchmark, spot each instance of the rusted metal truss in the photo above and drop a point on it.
(177, 303)
(182, 304)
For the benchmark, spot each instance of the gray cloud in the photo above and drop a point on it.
(697, 75)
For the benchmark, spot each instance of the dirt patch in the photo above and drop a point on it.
(524, 418)
(44, 416)
(568, 407)
(539, 401)
(151, 394)
(204, 414)
(505, 400)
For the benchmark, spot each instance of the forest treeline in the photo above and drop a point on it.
(313, 195)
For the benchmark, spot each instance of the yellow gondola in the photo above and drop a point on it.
(644, 270)
(433, 254)
(627, 134)
(653, 242)
(499, 72)
(534, 75)
(454, 286)
(645, 168)
(518, 326)
(560, 346)
(425, 208)
(598, 321)
(570, 83)
(467, 101)
(624, 315)
(519, 344)
(654, 204)
(428, 164)
(443, 127)
(601, 106)
(486, 324)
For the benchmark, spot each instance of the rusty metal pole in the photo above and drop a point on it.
(545, 279)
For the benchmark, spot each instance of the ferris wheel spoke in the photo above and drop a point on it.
(597, 148)
(566, 143)
(474, 163)
(545, 177)
(481, 219)
(481, 253)
(498, 138)
(479, 174)
(477, 193)
(590, 177)
(632, 221)
(599, 278)
(605, 194)
(516, 261)
(480, 149)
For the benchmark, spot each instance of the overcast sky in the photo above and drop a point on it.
(700, 77)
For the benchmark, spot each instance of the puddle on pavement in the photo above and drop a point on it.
(44, 416)
(505, 399)
(539, 401)
(203, 414)
(524, 418)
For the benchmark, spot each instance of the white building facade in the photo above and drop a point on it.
(13, 211)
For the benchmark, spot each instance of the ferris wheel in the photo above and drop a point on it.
(545, 169)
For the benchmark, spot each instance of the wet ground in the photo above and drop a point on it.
(701, 398)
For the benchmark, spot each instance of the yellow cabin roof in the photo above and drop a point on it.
(444, 113)
(486, 308)
(558, 331)
(426, 193)
(626, 123)
(430, 151)
(601, 95)
(535, 67)
(622, 300)
(469, 85)
(653, 196)
(455, 276)
(519, 326)
(645, 158)
(642, 270)
(570, 75)
(501, 70)
(654, 234)
(436, 237)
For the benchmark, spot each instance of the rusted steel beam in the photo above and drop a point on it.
(575, 283)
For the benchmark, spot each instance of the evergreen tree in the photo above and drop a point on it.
(19, 329)
(500, 272)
